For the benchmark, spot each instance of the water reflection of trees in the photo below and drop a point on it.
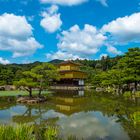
(33, 114)
(126, 112)
(26, 117)
(6, 102)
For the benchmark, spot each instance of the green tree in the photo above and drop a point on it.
(105, 61)
(130, 63)
(114, 78)
(28, 82)
(6, 76)
(45, 74)
(39, 77)
(90, 73)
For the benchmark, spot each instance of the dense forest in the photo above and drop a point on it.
(119, 73)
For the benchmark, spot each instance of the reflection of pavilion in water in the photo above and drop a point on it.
(69, 103)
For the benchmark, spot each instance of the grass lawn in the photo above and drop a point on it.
(128, 94)
(17, 92)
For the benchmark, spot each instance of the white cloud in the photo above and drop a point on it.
(71, 2)
(91, 126)
(103, 2)
(63, 56)
(113, 50)
(4, 61)
(14, 26)
(64, 2)
(125, 29)
(53, 9)
(80, 43)
(84, 42)
(51, 21)
(16, 35)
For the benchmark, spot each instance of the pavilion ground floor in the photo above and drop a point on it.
(69, 84)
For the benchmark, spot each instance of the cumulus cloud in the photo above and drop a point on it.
(91, 126)
(113, 50)
(16, 35)
(63, 56)
(80, 43)
(125, 29)
(51, 21)
(83, 43)
(14, 26)
(64, 2)
(4, 61)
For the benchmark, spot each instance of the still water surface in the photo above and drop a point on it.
(86, 115)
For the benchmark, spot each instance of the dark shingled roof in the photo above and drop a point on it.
(70, 62)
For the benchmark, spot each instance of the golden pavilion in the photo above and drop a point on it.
(70, 74)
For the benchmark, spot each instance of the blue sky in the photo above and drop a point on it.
(42, 30)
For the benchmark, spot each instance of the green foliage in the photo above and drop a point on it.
(125, 72)
(30, 132)
(27, 132)
(104, 64)
(6, 76)
(128, 94)
(28, 82)
(39, 77)
(13, 72)
(45, 74)
(19, 132)
(130, 63)
(51, 133)
(90, 73)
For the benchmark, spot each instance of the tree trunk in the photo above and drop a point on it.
(136, 85)
(30, 92)
(40, 90)
(119, 90)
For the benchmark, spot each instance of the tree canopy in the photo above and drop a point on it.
(39, 77)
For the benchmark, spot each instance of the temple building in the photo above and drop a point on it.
(70, 75)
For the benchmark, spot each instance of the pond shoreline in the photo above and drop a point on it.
(31, 100)
(21, 93)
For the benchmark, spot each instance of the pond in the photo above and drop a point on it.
(84, 114)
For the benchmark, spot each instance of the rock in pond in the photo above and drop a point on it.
(31, 100)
